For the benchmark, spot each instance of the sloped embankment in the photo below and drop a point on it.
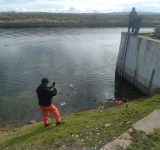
(84, 129)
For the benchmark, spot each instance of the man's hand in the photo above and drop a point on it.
(53, 86)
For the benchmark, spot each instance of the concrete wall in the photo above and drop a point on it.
(141, 62)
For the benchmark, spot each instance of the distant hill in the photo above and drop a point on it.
(109, 13)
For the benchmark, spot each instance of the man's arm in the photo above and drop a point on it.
(135, 13)
(52, 92)
(130, 16)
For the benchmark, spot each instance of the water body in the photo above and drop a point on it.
(81, 61)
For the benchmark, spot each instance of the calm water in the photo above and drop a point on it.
(81, 61)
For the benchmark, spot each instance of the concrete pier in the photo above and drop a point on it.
(139, 62)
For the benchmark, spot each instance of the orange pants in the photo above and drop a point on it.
(52, 109)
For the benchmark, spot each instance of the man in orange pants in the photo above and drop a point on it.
(45, 95)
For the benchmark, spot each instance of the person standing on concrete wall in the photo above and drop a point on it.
(132, 14)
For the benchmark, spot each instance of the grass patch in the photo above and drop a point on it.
(85, 129)
(146, 142)
(152, 36)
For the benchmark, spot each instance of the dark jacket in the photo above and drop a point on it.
(132, 14)
(137, 19)
(131, 23)
(45, 95)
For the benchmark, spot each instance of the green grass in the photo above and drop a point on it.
(150, 36)
(147, 142)
(84, 129)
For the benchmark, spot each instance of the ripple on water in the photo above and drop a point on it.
(82, 57)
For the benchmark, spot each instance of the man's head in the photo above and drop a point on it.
(45, 81)
(133, 9)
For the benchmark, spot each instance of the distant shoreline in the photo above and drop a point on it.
(38, 25)
(52, 20)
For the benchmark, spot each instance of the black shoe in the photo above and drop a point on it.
(58, 123)
(46, 125)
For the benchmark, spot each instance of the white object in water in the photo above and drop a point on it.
(71, 85)
(62, 103)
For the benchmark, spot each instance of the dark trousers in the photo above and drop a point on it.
(131, 25)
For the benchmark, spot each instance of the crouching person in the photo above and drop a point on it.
(138, 21)
(45, 95)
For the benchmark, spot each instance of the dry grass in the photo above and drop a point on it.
(55, 19)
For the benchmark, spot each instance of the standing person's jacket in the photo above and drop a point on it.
(132, 14)
(45, 95)
(131, 23)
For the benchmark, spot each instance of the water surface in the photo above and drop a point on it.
(81, 61)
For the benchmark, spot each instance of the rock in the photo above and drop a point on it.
(128, 122)
(76, 136)
(125, 136)
(16, 129)
(110, 146)
(123, 143)
(107, 125)
(124, 140)
(130, 131)
(109, 100)
(92, 130)
(32, 122)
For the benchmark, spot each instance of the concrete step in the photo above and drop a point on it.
(148, 123)
(109, 146)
